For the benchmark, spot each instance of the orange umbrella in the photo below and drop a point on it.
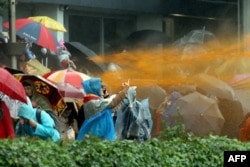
(70, 76)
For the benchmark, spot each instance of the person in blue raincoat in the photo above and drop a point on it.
(29, 126)
(98, 110)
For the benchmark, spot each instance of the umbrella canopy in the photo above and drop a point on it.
(70, 76)
(69, 91)
(214, 86)
(240, 81)
(233, 66)
(233, 114)
(35, 32)
(10, 86)
(13, 71)
(49, 23)
(47, 89)
(36, 68)
(199, 114)
(199, 36)
(243, 96)
(78, 49)
(155, 93)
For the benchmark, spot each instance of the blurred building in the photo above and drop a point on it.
(101, 25)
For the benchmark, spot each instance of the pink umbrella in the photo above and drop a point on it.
(70, 91)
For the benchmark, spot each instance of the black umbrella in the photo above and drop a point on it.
(78, 49)
(13, 71)
(80, 55)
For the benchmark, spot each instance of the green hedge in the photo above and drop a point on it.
(173, 148)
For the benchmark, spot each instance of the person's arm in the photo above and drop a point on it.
(120, 96)
(46, 132)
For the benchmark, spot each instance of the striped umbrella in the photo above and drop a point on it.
(70, 76)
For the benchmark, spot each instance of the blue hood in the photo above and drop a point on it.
(92, 86)
(27, 111)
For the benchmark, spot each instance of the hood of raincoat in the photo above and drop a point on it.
(92, 86)
(26, 111)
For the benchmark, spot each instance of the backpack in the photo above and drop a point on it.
(58, 123)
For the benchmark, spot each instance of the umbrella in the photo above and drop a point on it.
(36, 68)
(49, 23)
(155, 93)
(69, 91)
(233, 66)
(70, 76)
(233, 114)
(214, 86)
(199, 114)
(240, 81)
(243, 96)
(199, 36)
(47, 89)
(35, 32)
(10, 86)
(13, 70)
(78, 49)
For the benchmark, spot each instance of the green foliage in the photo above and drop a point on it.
(172, 132)
(188, 151)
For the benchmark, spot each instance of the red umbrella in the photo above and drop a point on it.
(35, 32)
(10, 86)
(70, 76)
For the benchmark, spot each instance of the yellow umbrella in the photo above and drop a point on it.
(36, 68)
(49, 23)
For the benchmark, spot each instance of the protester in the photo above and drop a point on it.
(28, 124)
(37, 100)
(6, 125)
(22, 63)
(171, 107)
(69, 119)
(98, 111)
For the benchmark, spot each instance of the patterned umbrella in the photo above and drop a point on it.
(47, 89)
(35, 32)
